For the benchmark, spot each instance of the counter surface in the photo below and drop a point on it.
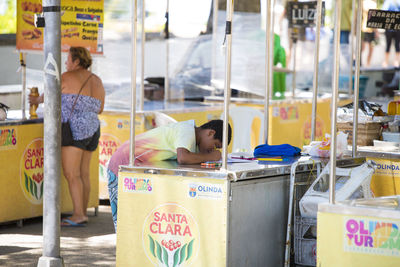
(236, 171)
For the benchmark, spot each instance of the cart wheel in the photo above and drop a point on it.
(20, 223)
(96, 211)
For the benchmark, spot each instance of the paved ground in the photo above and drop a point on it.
(93, 245)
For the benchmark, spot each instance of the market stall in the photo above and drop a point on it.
(361, 232)
(189, 215)
(21, 153)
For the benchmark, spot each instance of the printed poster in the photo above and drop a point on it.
(81, 25)
(167, 221)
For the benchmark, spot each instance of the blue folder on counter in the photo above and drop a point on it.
(284, 150)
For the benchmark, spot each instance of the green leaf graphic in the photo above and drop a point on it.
(26, 182)
(190, 249)
(35, 190)
(159, 252)
(176, 257)
(31, 185)
(152, 246)
(165, 256)
(41, 189)
(183, 253)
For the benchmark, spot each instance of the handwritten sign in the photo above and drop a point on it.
(302, 14)
(382, 19)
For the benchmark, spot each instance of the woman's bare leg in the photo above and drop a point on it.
(85, 175)
(71, 163)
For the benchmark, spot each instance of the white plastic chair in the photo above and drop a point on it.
(242, 118)
(348, 181)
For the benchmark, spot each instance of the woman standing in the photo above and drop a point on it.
(82, 99)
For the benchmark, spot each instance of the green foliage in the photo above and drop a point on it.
(8, 18)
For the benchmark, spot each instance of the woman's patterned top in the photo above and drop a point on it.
(84, 121)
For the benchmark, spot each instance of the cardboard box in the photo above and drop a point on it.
(367, 132)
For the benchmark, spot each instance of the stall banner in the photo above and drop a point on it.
(115, 130)
(354, 240)
(289, 115)
(21, 176)
(8, 138)
(172, 225)
(81, 25)
(31, 178)
(386, 179)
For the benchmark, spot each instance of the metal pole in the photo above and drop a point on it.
(167, 96)
(357, 78)
(335, 80)
(227, 88)
(316, 68)
(294, 62)
(22, 57)
(353, 15)
(52, 135)
(141, 102)
(214, 42)
(133, 83)
(269, 37)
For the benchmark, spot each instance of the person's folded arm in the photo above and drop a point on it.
(184, 156)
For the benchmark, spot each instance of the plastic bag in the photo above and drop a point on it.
(322, 148)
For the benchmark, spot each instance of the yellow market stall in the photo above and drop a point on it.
(360, 232)
(21, 162)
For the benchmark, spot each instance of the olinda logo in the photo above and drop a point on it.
(8, 138)
(31, 177)
(170, 236)
(371, 234)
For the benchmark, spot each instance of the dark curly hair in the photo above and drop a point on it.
(217, 126)
(82, 54)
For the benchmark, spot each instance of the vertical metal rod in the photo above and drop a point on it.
(141, 102)
(22, 57)
(133, 83)
(52, 135)
(357, 77)
(227, 88)
(214, 42)
(316, 68)
(167, 95)
(335, 80)
(294, 66)
(269, 37)
(353, 15)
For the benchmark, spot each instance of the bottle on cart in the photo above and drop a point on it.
(33, 107)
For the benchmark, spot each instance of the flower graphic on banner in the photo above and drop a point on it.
(170, 236)
(31, 179)
(171, 250)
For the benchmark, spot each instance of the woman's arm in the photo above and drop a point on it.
(184, 156)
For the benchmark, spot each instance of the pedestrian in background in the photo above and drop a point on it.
(392, 35)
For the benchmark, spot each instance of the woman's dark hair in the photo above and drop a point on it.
(82, 54)
(217, 126)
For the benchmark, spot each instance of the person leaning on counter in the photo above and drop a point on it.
(82, 99)
(182, 141)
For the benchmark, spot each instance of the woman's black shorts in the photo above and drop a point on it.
(89, 144)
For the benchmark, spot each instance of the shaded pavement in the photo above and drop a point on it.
(93, 245)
